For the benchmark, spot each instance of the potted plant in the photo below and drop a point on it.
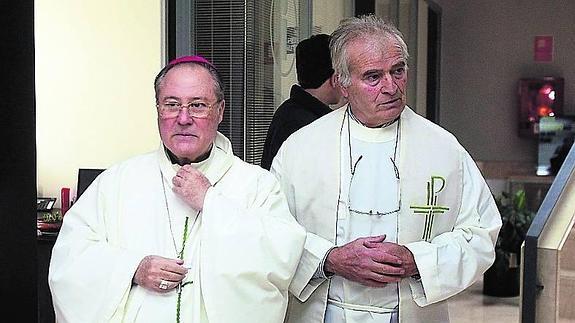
(502, 278)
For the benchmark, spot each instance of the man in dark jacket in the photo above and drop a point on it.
(309, 100)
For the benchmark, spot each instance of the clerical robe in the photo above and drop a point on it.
(242, 249)
(451, 234)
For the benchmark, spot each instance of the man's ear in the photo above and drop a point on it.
(339, 87)
(221, 111)
(333, 80)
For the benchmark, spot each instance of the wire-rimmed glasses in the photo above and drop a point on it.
(196, 108)
(353, 167)
(371, 212)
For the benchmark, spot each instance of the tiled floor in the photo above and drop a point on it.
(471, 306)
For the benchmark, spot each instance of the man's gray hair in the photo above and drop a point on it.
(218, 83)
(349, 29)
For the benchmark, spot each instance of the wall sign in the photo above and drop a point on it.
(543, 49)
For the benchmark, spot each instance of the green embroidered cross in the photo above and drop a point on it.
(431, 208)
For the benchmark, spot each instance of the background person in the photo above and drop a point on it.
(188, 233)
(309, 100)
(399, 217)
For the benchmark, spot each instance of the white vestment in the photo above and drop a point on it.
(448, 218)
(243, 248)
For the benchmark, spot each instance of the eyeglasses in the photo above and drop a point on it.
(196, 109)
(371, 212)
(353, 168)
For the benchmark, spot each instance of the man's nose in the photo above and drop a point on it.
(184, 116)
(388, 84)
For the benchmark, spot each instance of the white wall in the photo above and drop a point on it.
(95, 65)
(487, 46)
(326, 14)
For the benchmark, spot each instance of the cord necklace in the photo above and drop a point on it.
(185, 236)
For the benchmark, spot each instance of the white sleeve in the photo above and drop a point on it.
(250, 250)
(454, 260)
(89, 276)
(306, 278)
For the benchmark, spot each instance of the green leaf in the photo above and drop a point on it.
(520, 200)
(515, 218)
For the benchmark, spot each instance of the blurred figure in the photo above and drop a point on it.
(309, 100)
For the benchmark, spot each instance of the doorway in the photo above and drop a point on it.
(433, 61)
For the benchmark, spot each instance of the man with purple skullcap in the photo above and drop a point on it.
(186, 233)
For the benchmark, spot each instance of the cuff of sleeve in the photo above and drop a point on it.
(304, 284)
(425, 287)
(320, 272)
(417, 291)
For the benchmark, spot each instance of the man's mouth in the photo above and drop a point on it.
(184, 135)
(391, 101)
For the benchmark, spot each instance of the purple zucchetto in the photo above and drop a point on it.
(192, 58)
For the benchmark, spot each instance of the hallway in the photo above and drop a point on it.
(471, 306)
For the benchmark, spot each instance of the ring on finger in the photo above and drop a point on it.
(163, 284)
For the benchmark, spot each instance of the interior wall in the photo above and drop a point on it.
(326, 23)
(95, 66)
(286, 16)
(487, 46)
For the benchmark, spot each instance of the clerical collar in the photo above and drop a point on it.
(200, 161)
(383, 125)
(352, 165)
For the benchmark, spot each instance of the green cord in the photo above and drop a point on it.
(184, 238)
(181, 256)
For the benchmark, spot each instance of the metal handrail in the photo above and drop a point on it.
(531, 286)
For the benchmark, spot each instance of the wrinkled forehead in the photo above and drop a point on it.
(370, 50)
(188, 77)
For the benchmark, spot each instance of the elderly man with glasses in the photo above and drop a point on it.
(188, 233)
(398, 216)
